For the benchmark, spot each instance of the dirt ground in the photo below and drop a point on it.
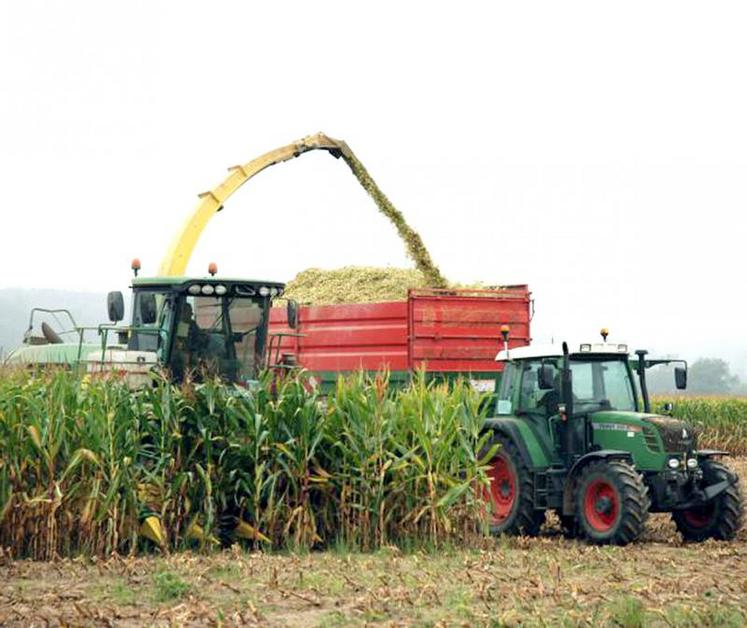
(542, 581)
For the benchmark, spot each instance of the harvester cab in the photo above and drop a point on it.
(576, 436)
(194, 327)
(191, 327)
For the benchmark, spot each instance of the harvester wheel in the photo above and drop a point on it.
(722, 517)
(511, 494)
(611, 503)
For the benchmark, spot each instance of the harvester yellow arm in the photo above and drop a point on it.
(176, 260)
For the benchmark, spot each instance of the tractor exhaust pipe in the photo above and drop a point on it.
(567, 396)
(641, 353)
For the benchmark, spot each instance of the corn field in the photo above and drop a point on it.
(87, 466)
(721, 421)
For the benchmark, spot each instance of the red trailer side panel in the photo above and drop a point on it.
(442, 331)
(369, 336)
(461, 331)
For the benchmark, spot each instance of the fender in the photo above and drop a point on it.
(530, 447)
(570, 484)
(710, 453)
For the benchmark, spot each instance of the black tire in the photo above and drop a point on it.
(722, 517)
(511, 504)
(611, 503)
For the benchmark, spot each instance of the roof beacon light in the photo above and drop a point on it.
(212, 268)
(605, 332)
(505, 329)
(135, 266)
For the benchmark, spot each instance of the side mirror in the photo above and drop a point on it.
(292, 312)
(115, 306)
(680, 377)
(147, 308)
(546, 377)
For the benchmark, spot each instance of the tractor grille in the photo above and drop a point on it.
(652, 442)
(676, 435)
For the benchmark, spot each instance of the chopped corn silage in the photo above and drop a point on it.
(413, 242)
(356, 284)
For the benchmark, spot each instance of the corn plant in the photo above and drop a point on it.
(89, 467)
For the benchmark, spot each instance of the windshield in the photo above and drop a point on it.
(201, 335)
(602, 385)
(219, 335)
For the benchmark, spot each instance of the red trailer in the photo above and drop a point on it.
(446, 332)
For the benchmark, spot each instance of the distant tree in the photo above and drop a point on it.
(711, 375)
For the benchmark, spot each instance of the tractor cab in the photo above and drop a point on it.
(576, 435)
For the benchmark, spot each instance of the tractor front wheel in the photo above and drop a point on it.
(510, 497)
(721, 518)
(611, 503)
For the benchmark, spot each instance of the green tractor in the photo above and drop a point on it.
(190, 327)
(576, 436)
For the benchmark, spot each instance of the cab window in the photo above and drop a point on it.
(504, 404)
(532, 399)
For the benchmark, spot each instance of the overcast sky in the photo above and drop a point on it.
(595, 151)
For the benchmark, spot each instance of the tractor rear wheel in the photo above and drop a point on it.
(721, 518)
(510, 497)
(611, 503)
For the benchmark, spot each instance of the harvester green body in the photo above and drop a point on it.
(576, 436)
(191, 327)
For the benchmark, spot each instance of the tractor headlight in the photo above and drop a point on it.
(264, 291)
(194, 288)
(207, 289)
(220, 290)
(692, 463)
(674, 463)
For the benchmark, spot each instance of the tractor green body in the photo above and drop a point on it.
(608, 425)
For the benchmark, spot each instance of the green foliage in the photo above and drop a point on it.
(169, 586)
(83, 462)
(628, 612)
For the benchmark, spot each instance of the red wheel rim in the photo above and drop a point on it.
(601, 505)
(699, 518)
(502, 488)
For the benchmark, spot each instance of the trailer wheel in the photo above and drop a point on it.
(611, 503)
(510, 497)
(721, 518)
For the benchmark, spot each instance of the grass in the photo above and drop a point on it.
(122, 594)
(627, 612)
(168, 586)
